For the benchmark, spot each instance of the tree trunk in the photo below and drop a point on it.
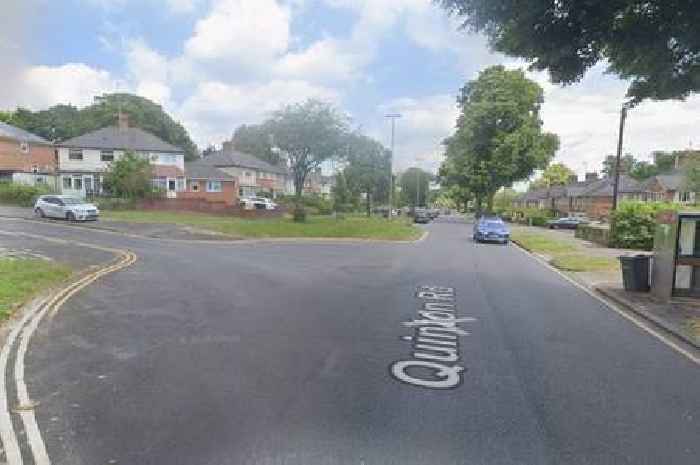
(299, 212)
(489, 202)
(478, 201)
(369, 204)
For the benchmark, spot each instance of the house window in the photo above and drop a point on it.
(685, 197)
(247, 174)
(24, 147)
(67, 182)
(35, 169)
(75, 154)
(213, 186)
(107, 155)
(78, 183)
(160, 183)
(195, 186)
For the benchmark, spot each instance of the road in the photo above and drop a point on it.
(291, 353)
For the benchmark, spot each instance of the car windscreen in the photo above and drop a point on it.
(492, 224)
(71, 201)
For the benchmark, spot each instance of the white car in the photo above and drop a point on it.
(259, 203)
(65, 207)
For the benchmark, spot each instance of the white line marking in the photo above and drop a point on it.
(636, 320)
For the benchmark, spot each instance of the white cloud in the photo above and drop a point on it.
(325, 60)
(75, 83)
(240, 34)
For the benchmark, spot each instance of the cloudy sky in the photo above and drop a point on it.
(216, 64)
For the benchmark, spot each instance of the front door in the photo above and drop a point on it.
(87, 182)
(172, 188)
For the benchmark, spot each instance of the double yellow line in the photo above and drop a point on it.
(24, 331)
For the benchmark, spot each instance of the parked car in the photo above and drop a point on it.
(421, 215)
(433, 213)
(65, 207)
(569, 222)
(491, 229)
(259, 203)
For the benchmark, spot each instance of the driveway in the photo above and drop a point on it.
(305, 353)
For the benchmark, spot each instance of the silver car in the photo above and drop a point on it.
(65, 207)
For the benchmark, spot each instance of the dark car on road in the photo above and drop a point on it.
(570, 222)
(491, 229)
(421, 216)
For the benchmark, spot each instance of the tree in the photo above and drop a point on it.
(129, 177)
(256, 140)
(341, 194)
(504, 199)
(414, 186)
(62, 122)
(655, 44)
(307, 134)
(367, 170)
(692, 177)
(499, 138)
(627, 163)
(557, 174)
(6, 116)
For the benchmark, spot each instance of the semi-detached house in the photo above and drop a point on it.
(83, 160)
(25, 157)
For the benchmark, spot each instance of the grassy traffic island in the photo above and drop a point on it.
(351, 226)
(21, 279)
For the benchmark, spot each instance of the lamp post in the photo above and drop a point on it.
(393, 117)
(616, 186)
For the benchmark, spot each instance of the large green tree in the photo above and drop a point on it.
(257, 140)
(367, 169)
(62, 122)
(129, 177)
(415, 186)
(308, 134)
(557, 174)
(654, 43)
(499, 138)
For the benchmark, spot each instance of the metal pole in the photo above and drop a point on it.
(393, 117)
(623, 117)
(417, 186)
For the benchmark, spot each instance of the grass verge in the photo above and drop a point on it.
(563, 255)
(20, 279)
(314, 227)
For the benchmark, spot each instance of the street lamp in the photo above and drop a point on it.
(393, 117)
(616, 186)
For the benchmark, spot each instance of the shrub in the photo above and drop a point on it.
(21, 194)
(633, 224)
(115, 203)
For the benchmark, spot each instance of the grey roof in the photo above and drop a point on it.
(671, 181)
(604, 187)
(225, 158)
(11, 132)
(120, 139)
(199, 170)
(537, 194)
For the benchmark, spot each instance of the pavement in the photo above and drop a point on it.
(316, 353)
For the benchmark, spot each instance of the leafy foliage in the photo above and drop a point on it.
(655, 44)
(499, 138)
(129, 177)
(21, 194)
(415, 184)
(633, 224)
(367, 169)
(256, 140)
(557, 174)
(692, 177)
(627, 163)
(307, 134)
(341, 194)
(62, 122)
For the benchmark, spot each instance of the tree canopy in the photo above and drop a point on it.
(655, 44)
(256, 140)
(367, 168)
(129, 177)
(557, 174)
(307, 134)
(499, 138)
(415, 187)
(62, 122)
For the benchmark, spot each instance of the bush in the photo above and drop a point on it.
(633, 224)
(21, 194)
(115, 203)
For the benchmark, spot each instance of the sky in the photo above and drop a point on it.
(217, 64)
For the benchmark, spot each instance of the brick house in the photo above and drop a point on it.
(82, 160)
(671, 188)
(254, 175)
(205, 182)
(25, 157)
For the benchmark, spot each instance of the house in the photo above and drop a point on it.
(254, 175)
(670, 187)
(319, 184)
(25, 157)
(82, 160)
(206, 182)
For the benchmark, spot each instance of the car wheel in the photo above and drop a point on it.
(70, 216)
(40, 213)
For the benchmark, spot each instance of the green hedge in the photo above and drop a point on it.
(533, 216)
(633, 224)
(114, 203)
(21, 194)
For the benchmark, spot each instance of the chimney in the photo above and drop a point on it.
(573, 179)
(122, 121)
(592, 176)
(227, 146)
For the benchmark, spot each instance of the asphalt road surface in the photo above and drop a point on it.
(441, 352)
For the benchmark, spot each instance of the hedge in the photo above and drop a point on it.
(21, 194)
(633, 224)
